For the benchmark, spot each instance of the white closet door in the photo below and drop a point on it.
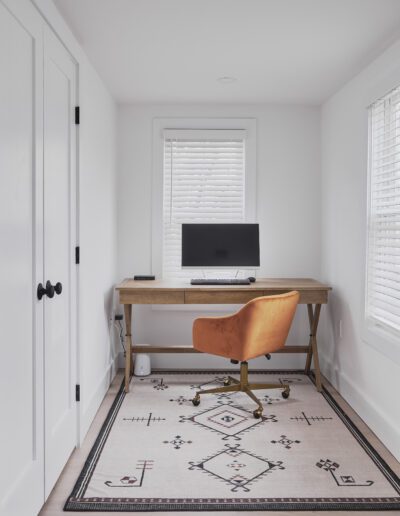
(21, 223)
(59, 250)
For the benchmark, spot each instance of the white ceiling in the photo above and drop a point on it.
(285, 51)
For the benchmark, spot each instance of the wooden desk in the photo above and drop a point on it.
(167, 292)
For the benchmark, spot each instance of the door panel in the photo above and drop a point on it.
(21, 314)
(59, 238)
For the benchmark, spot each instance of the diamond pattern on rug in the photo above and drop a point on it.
(227, 419)
(227, 464)
(157, 452)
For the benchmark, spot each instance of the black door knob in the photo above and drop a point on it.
(49, 289)
(42, 291)
(58, 288)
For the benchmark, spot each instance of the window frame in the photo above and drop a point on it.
(159, 125)
(382, 337)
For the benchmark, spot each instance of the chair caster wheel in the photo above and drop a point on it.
(285, 394)
(196, 401)
(257, 413)
(227, 382)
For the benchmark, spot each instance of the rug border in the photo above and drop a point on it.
(76, 503)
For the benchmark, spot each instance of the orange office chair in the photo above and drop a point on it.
(260, 327)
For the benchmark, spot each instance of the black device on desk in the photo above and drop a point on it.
(220, 281)
(221, 246)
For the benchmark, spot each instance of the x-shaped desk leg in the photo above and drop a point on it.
(313, 318)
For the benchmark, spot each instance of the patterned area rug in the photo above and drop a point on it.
(157, 452)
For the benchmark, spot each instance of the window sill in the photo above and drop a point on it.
(384, 340)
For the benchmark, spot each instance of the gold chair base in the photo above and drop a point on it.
(243, 385)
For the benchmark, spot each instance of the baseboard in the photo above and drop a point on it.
(97, 397)
(372, 415)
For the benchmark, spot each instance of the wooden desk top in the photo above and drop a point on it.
(259, 284)
(182, 292)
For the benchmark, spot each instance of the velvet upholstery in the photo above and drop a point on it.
(261, 326)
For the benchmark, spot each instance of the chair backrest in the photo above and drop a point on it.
(264, 323)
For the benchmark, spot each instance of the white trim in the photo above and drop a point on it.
(78, 357)
(249, 125)
(204, 134)
(93, 404)
(74, 205)
(367, 236)
(376, 334)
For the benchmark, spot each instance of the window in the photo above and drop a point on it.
(203, 182)
(383, 258)
(173, 137)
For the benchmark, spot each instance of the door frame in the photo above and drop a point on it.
(77, 244)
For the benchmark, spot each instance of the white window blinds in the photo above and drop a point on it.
(383, 260)
(204, 182)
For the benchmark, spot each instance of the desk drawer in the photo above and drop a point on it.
(168, 297)
(219, 297)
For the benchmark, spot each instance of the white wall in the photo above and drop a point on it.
(97, 225)
(288, 209)
(368, 379)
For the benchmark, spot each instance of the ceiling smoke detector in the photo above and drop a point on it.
(226, 80)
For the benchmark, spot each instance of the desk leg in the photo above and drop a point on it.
(313, 317)
(310, 349)
(128, 345)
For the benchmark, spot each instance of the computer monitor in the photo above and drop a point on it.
(220, 245)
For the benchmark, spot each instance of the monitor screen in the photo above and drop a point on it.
(220, 245)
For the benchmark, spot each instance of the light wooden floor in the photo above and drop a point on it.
(56, 500)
